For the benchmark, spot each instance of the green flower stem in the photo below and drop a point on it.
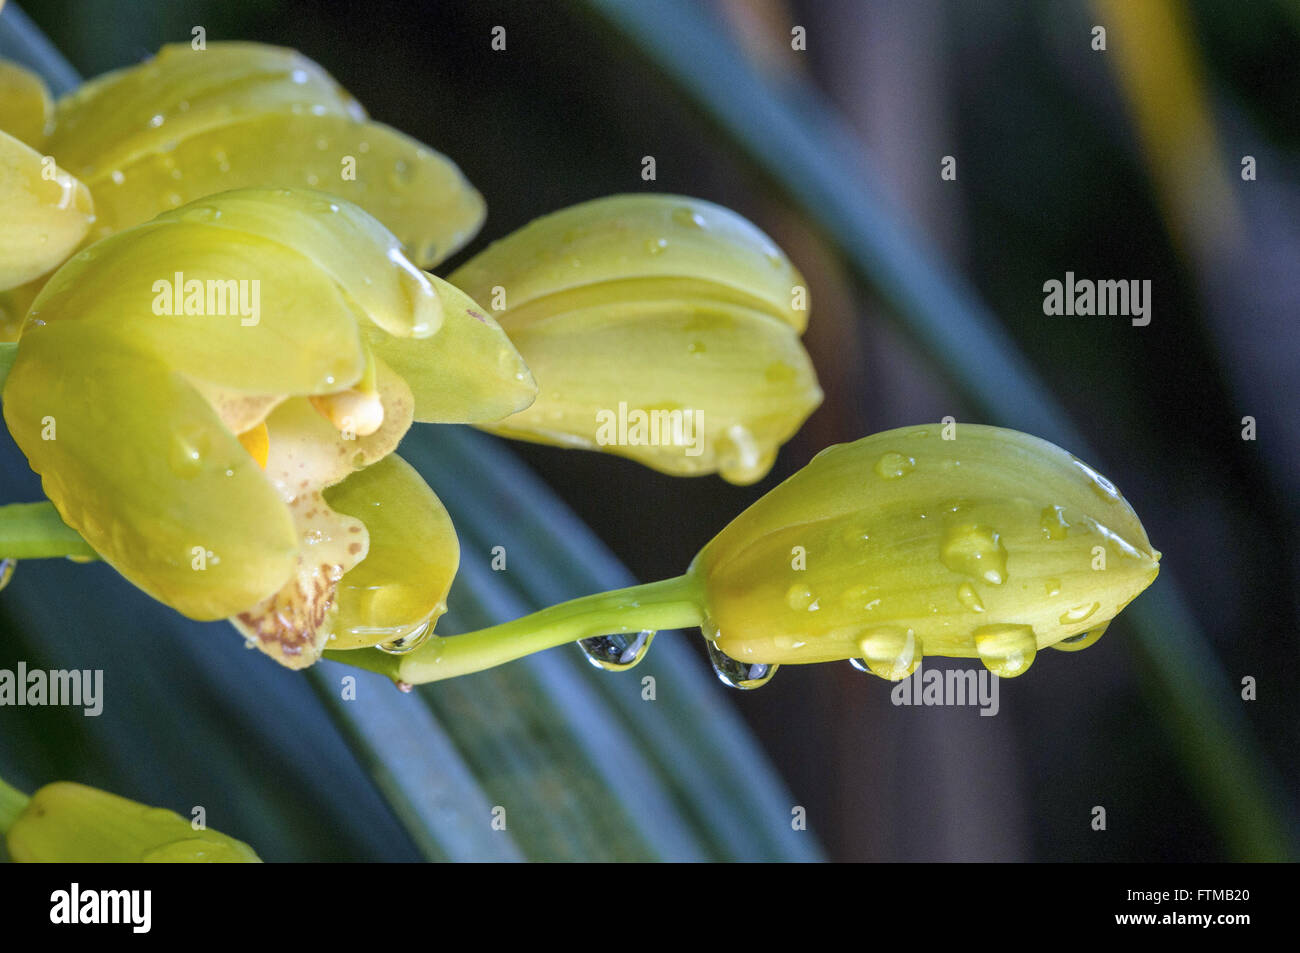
(35, 531)
(670, 604)
(12, 803)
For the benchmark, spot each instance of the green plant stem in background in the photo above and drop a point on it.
(670, 604)
(12, 803)
(35, 531)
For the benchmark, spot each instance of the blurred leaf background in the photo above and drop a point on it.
(927, 301)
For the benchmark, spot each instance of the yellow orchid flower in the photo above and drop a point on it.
(72, 823)
(967, 542)
(659, 327)
(189, 389)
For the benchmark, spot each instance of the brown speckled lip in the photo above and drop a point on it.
(288, 625)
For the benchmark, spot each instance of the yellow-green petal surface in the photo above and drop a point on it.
(303, 339)
(25, 104)
(469, 372)
(403, 582)
(140, 465)
(47, 213)
(189, 123)
(75, 824)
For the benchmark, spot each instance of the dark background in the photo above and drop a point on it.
(1053, 175)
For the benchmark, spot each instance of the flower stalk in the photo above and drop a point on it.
(35, 531)
(669, 604)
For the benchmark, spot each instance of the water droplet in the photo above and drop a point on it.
(201, 214)
(1079, 613)
(975, 551)
(740, 458)
(737, 674)
(857, 598)
(187, 454)
(855, 535)
(1076, 643)
(1006, 650)
(401, 174)
(892, 465)
(157, 120)
(617, 652)
(117, 177)
(189, 850)
(695, 347)
(1100, 485)
(798, 597)
(890, 651)
(409, 642)
(656, 245)
(7, 567)
(968, 597)
(1053, 522)
(1052, 587)
(688, 217)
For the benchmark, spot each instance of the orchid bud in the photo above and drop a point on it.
(660, 328)
(989, 545)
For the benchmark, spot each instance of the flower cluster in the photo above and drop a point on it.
(240, 330)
